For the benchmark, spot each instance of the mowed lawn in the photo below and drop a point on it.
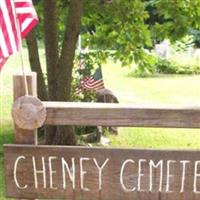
(163, 90)
(174, 90)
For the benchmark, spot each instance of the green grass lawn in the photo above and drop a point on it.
(175, 90)
(170, 90)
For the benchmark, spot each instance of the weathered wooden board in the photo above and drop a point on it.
(22, 135)
(63, 113)
(99, 173)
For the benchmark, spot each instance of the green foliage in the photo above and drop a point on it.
(146, 67)
(179, 16)
(119, 27)
(126, 28)
(164, 66)
(62, 14)
(196, 35)
(85, 65)
(184, 44)
(123, 28)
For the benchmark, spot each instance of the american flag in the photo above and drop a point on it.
(94, 82)
(15, 16)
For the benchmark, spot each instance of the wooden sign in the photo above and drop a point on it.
(99, 173)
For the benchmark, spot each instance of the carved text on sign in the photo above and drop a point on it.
(62, 172)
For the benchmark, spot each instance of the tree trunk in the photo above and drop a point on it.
(59, 69)
(51, 46)
(52, 54)
(65, 134)
(65, 64)
(34, 60)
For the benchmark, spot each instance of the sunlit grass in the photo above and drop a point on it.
(157, 138)
(166, 89)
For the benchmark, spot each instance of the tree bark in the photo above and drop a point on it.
(65, 64)
(35, 64)
(51, 46)
(65, 134)
(52, 55)
(59, 68)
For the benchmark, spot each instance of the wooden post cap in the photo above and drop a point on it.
(28, 112)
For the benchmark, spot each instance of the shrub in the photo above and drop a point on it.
(184, 44)
(170, 67)
(164, 66)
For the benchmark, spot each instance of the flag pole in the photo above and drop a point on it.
(20, 49)
(22, 63)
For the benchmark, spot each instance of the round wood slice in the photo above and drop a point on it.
(28, 112)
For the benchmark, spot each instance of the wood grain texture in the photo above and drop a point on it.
(111, 187)
(23, 136)
(28, 112)
(101, 114)
(18, 84)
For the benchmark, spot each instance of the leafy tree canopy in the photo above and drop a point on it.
(126, 27)
(130, 26)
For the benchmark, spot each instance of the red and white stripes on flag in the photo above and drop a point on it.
(89, 83)
(14, 15)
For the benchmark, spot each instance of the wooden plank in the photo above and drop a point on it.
(99, 173)
(101, 114)
(24, 136)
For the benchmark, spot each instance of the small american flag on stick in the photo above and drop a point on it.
(94, 82)
(17, 18)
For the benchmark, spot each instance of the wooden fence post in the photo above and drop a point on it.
(24, 136)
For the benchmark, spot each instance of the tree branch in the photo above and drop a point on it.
(34, 60)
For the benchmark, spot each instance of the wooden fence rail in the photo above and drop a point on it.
(68, 113)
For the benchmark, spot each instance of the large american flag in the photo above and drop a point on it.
(16, 16)
(94, 82)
